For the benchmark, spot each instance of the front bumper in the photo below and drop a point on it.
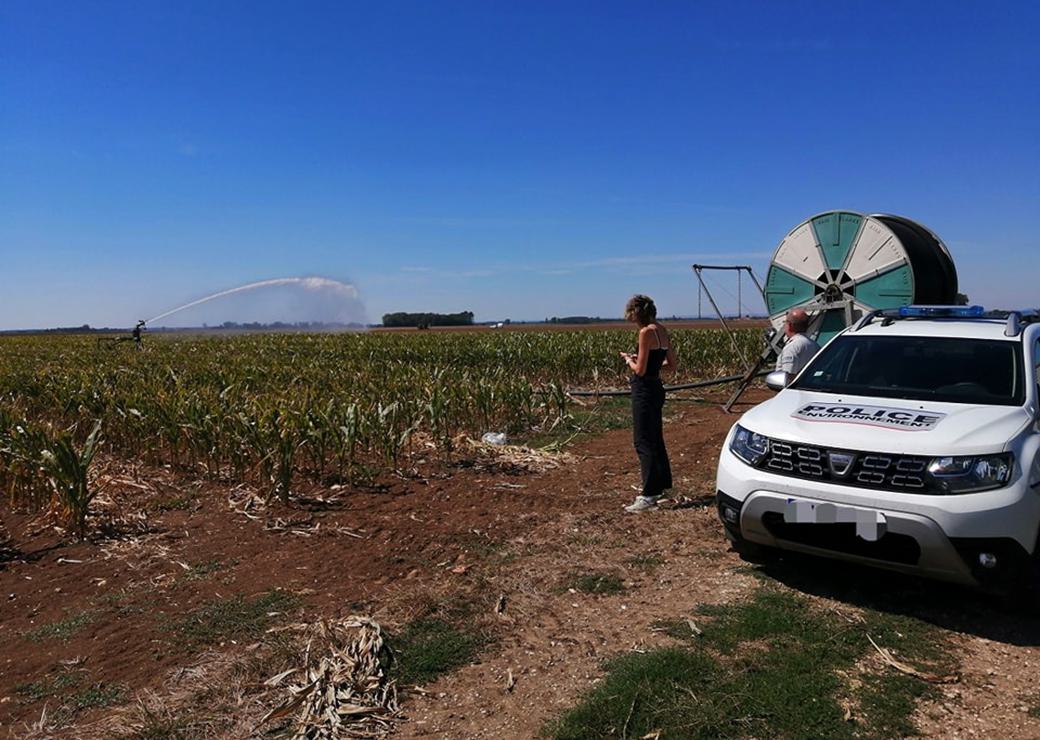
(940, 537)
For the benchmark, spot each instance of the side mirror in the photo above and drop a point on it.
(778, 380)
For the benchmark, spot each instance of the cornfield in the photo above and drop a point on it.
(270, 409)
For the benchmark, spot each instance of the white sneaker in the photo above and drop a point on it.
(642, 503)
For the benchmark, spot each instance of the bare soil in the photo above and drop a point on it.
(484, 534)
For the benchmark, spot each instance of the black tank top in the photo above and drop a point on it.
(655, 360)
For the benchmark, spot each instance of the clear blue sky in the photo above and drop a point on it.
(521, 159)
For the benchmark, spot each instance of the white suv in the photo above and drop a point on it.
(909, 442)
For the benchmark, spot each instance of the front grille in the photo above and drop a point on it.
(892, 548)
(850, 468)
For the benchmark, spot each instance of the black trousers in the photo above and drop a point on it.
(648, 434)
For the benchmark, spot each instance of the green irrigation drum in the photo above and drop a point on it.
(840, 264)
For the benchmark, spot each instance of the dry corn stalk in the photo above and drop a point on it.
(516, 457)
(341, 690)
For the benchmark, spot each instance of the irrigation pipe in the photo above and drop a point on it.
(667, 388)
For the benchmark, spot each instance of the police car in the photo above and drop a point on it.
(910, 442)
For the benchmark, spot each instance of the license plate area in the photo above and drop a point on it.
(868, 524)
(894, 547)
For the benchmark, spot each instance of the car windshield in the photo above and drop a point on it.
(954, 370)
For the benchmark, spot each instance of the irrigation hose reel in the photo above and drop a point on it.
(840, 265)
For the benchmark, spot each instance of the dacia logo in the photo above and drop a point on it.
(840, 463)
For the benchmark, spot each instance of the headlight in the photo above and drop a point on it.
(749, 446)
(970, 474)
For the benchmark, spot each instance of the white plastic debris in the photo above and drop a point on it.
(494, 438)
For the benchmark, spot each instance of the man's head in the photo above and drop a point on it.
(797, 322)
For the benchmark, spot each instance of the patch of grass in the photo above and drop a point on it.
(678, 628)
(480, 545)
(594, 583)
(888, 703)
(97, 695)
(200, 571)
(234, 618)
(62, 630)
(65, 686)
(770, 666)
(639, 692)
(1034, 706)
(602, 416)
(428, 647)
(49, 686)
(119, 602)
(182, 502)
(585, 540)
(646, 561)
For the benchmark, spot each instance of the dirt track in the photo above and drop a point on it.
(470, 532)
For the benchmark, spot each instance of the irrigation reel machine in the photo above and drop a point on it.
(838, 266)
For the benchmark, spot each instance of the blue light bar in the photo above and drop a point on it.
(941, 312)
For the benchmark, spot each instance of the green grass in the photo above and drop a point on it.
(603, 415)
(767, 667)
(480, 546)
(228, 619)
(1034, 706)
(49, 686)
(200, 571)
(429, 647)
(62, 630)
(646, 561)
(65, 687)
(594, 583)
(175, 503)
(96, 695)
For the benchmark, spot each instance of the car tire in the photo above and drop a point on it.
(752, 552)
(1031, 589)
(1024, 596)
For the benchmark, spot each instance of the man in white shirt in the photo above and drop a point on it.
(799, 348)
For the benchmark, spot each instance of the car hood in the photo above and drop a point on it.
(886, 425)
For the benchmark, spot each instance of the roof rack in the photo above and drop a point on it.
(1016, 320)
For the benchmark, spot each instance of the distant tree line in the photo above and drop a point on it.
(426, 320)
(575, 320)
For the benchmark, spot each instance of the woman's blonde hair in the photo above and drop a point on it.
(641, 309)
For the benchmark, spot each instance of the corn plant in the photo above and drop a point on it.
(68, 469)
(270, 410)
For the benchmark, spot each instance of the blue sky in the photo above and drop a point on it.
(520, 160)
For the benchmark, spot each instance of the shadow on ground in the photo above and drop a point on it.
(944, 605)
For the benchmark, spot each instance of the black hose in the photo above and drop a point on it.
(683, 387)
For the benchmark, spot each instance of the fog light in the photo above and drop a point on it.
(987, 560)
(730, 515)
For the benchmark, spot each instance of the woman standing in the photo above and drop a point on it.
(655, 352)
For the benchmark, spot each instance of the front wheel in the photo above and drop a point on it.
(752, 552)
(1029, 593)
(1024, 594)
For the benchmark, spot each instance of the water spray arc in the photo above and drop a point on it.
(308, 283)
